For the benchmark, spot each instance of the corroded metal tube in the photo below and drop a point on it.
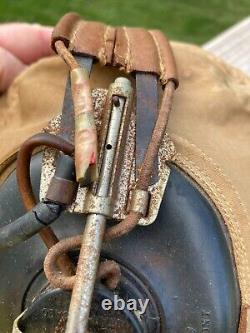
(85, 129)
(92, 238)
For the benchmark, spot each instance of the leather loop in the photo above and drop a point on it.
(135, 51)
(64, 28)
(131, 49)
(85, 38)
(168, 70)
(93, 39)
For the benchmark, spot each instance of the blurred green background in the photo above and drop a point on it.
(194, 21)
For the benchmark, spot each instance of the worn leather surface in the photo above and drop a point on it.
(131, 49)
(90, 38)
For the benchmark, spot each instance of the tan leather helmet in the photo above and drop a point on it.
(203, 183)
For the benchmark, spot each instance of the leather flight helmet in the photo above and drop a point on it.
(161, 198)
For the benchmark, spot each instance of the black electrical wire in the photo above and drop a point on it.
(40, 217)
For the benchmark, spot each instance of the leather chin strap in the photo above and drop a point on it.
(134, 50)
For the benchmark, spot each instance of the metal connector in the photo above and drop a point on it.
(98, 205)
(140, 201)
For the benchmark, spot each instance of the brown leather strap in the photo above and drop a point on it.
(135, 50)
(85, 38)
(146, 116)
(131, 49)
(64, 28)
(168, 70)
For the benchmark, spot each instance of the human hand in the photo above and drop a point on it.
(20, 45)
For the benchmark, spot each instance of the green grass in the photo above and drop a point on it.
(194, 21)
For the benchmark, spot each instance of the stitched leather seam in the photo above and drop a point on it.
(102, 54)
(221, 201)
(238, 244)
(161, 61)
(220, 172)
(74, 36)
(113, 48)
(128, 55)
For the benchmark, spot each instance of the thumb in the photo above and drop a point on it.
(10, 67)
(28, 42)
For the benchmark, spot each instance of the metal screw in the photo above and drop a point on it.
(116, 101)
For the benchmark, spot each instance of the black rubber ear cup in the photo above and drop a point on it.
(184, 259)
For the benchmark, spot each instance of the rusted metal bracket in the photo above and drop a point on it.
(120, 201)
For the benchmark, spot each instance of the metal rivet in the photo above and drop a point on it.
(116, 101)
